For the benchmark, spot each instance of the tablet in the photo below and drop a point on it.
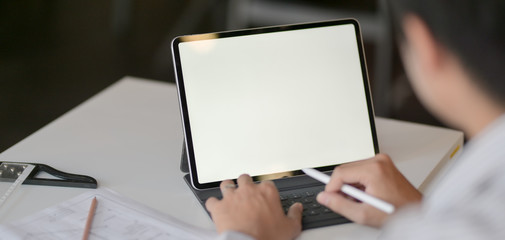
(271, 101)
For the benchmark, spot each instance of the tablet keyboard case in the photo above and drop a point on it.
(297, 189)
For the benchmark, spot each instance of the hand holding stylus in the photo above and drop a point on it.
(380, 178)
(353, 192)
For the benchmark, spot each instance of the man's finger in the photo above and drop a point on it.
(358, 212)
(353, 172)
(210, 204)
(227, 186)
(346, 173)
(244, 179)
(268, 187)
(295, 214)
(345, 207)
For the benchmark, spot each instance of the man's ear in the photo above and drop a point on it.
(420, 41)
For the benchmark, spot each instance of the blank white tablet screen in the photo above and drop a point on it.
(276, 102)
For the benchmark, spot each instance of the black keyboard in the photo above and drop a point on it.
(314, 214)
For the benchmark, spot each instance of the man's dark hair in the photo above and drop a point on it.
(472, 30)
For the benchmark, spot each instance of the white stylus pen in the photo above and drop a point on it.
(352, 191)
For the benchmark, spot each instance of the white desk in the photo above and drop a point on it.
(129, 138)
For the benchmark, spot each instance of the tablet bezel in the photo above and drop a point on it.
(254, 31)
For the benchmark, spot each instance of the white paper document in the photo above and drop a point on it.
(116, 217)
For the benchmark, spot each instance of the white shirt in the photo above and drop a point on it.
(467, 201)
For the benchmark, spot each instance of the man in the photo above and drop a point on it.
(453, 51)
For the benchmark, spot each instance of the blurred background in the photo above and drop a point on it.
(55, 54)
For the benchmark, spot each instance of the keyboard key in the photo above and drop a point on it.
(327, 210)
(296, 195)
(313, 212)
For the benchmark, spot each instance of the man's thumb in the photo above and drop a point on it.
(295, 212)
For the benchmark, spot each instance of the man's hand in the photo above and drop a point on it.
(254, 209)
(376, 176)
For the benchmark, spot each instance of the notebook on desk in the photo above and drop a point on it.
(271, 101)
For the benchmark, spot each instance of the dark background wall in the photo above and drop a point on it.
(56, 54)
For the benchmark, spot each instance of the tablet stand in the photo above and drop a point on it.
(201, 195)
(184, 159)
